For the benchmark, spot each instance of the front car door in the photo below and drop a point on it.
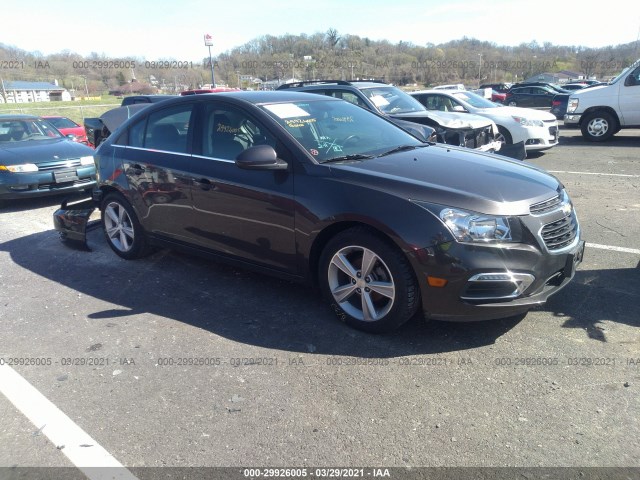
(247, 214)
(629, 98)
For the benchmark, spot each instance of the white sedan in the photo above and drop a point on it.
(537, 129)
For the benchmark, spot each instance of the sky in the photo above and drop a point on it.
(156, 30)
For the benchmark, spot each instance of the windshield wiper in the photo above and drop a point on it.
(402, 148)
(354, 156)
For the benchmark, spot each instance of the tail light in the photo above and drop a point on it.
(555, 103)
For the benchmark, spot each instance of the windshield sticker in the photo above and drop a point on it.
(379, 101)
(286, 110)
(345, 119)
(299, 122)
(314, 152)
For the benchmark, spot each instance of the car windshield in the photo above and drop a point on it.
(391, 100)
(62, 122)
(623, 73)
(333, 130)
(474, 100)
(26, 129)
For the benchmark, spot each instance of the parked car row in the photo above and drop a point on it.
(449, 127)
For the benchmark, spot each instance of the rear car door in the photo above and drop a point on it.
(155, 162)
(247, 214)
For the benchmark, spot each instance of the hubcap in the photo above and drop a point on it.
(361, 283)
(118, 226)
(598, 127)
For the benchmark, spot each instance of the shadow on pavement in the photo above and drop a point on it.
(259, 310)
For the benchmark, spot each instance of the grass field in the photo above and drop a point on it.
(76, 111)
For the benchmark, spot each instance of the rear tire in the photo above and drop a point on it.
(122, 229)
(368, 281)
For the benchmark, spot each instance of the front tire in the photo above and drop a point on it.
(368, 281)
(598, 126)
(122, 229)
(506, 136)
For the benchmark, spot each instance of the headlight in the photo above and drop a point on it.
(475, 227)
(528, 122)
(86, 161)
(572, 106)
(24, 168)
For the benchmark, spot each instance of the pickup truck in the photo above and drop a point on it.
(100, 128)
(602, 111)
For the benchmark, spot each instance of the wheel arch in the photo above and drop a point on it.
(329, 232)
(600, 108)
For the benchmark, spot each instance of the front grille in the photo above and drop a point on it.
(553, 131)
(546, 206)
(561, 233)
(59, 164)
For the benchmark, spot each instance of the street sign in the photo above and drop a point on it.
(208, 40)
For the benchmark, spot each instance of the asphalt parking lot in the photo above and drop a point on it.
(175, 361)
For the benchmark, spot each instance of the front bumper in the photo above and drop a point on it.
(464, 298)
(38, 184)
(572, 120)
(72, 219)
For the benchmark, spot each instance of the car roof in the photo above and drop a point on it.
(239, 97)
(315, 84)
(17, 116)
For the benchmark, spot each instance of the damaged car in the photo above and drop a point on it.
(452, 128)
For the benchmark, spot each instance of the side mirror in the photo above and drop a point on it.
(260, 157)
(459, 108)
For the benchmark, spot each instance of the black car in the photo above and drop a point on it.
(36, 160)
(98, 129)
(559, 106)
(533, 97)
(552, 86)
(450, 127)
(316, 189)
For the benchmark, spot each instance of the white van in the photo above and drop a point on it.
(601, 112)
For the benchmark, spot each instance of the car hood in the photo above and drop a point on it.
(454, 177)
(38, 151)
(508, 112)
(596, 91)
(446, 119)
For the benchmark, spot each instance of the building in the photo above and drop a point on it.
(563, 76)
(27, 92)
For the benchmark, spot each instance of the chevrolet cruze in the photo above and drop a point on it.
(313, 188)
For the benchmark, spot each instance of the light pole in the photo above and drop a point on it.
(208, 42)
(479, 69)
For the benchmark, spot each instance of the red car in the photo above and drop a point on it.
(66, 126)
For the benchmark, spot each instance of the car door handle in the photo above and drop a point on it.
(204, 184)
